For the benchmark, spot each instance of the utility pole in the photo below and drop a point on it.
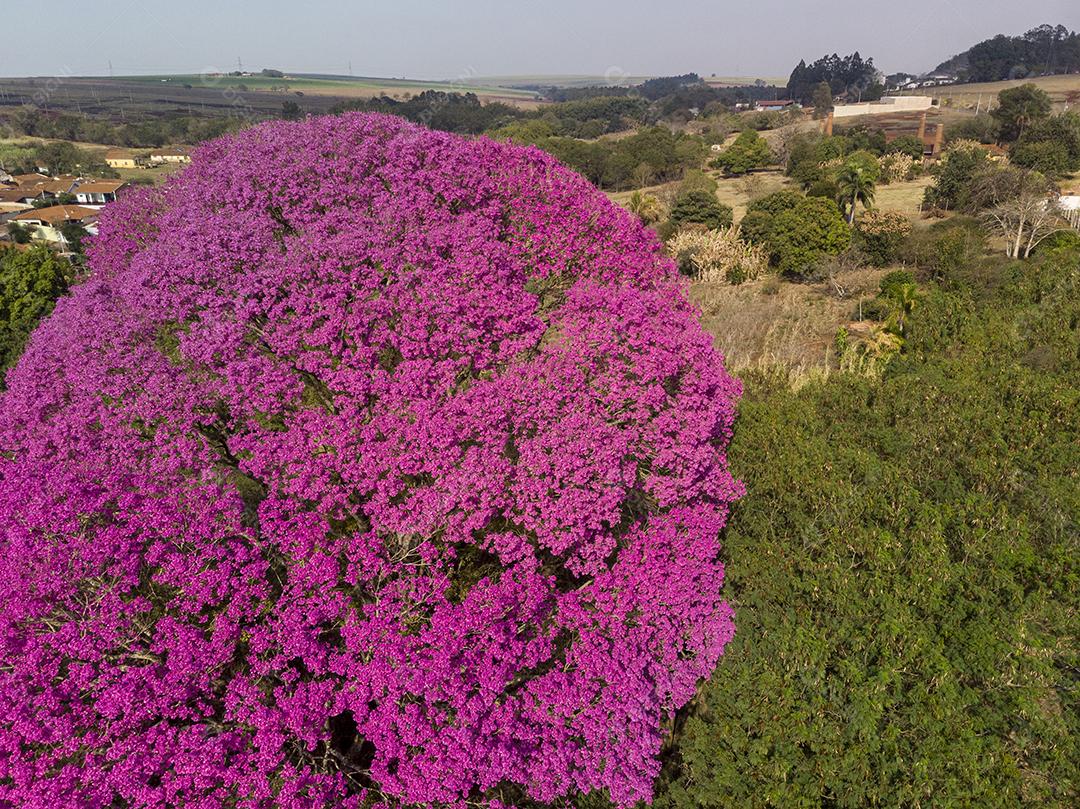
(110, 69)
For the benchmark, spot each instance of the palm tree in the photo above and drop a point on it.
(647, 207)
(903, 300)
(855, 185)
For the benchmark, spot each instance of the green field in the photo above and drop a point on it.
(358, 86)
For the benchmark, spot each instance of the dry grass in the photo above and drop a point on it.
(771, 322)
(904, 197)
(966, 96)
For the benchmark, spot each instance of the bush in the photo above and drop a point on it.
(1045, 157)
(945, 251)
(749, 151)
(407, 480)
(801, 236)
(954, 174)
(904, 571)
(908, 145)
(702, 208)
(717, 255)
(30, 283)
(879, 234)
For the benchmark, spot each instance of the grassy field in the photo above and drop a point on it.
(340, 86)
(966, 96)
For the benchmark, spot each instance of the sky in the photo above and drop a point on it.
(424, 39)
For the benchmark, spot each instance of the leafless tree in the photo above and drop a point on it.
(1024, 221)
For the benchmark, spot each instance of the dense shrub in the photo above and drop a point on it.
(749, 151)
(953, 175)
(905, 574)
(801, 236)
(30, 283)
(909, 145)
(701, 208)
(369, 461)
(755, 224)
(879, 234)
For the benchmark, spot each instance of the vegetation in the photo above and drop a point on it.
(904, 570)
(1020, 107)
(801, 236)
(701, 208)
(749, 151)
(716, 256)
(1044, 50)
(850, 76)
(30, 283)
(880, 235)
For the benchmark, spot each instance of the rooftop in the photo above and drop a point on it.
(57, 214)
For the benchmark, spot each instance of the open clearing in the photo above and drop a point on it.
(775, 322)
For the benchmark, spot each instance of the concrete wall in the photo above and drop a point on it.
(889, 104)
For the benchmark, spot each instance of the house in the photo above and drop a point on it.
(169, 155)
(98, 193)
(121, 159)
(776, 106)
(47, 222)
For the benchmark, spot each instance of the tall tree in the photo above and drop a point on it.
(1019, 107)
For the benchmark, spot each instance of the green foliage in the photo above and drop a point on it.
(880, 234)
(702, 208)
(1044, 156)
(943, 252)
(757, 221)
(906, 144)
(800, 237)
(954, 175)
(855, 182)
(903, 572)
(981, 128)
(30, 283)
(1051, 146)
(19, 233)
(749, 151)
(1018, 108)
(822, 100)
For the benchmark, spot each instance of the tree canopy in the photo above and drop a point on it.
(405, 483)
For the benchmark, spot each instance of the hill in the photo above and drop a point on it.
(1044, 50)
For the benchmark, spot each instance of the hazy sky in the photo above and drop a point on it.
(449, 40)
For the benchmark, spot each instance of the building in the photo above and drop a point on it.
(98, 193)
(121, 159)
(889, 105)
(169, 155)
(47, 222)
(776, 106)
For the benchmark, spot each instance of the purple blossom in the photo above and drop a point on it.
(369, 464)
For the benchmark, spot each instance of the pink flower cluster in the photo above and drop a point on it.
(370, 465)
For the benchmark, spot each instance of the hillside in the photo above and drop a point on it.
(1046, 49)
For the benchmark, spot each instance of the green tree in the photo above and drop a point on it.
(903, 572)
(906, 144)
(1019, 107)
(801, 236)
(645, 207)
(30, 283)
(855, 184)
(702, 208)
(749, 151)
(822, 100)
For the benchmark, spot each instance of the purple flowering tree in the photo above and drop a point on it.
(370, 464)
